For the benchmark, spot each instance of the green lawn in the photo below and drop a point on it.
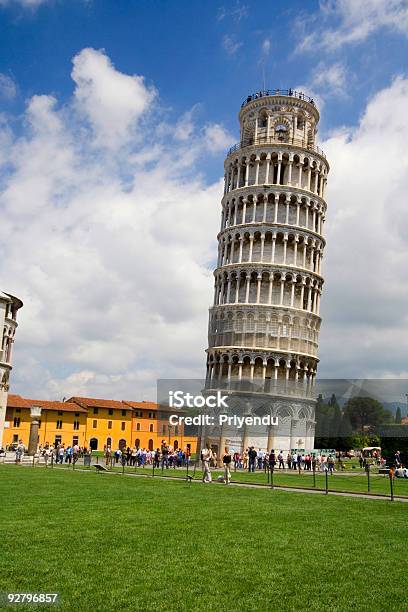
(354, 482)
(110, 542)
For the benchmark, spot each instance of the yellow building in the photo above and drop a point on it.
(94, 423)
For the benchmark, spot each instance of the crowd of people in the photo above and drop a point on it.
(165, 457)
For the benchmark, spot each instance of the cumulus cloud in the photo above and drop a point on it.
(112, 260)
(113, 102)
(341, 22)
(365, 295)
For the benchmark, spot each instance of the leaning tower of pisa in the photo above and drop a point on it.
(264, 323)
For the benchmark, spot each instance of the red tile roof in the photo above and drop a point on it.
(92, 402)
(60, 406)
(144, 404)
(16, 401)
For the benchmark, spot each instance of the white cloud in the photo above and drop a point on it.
(113, 259)
(24, 3)
(331, 79)
(364, 304)
(112, 101)
(341, 22)
(217, 137)
(230, 44)
(8, 88)
(266, 46)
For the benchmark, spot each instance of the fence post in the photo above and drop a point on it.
(314, 475)
(327, 481)
(391, 475)
(154, 461)
(195, 466)
(267, 474)
(272, 479)
(33, 460)
(368, 477)
(52, 460)
(97, 459)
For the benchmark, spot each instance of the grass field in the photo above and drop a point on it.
(111, 542)
(354, 482)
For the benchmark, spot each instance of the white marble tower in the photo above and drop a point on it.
(265, 320)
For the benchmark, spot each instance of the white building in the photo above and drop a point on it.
(264, 323)
(9, 305)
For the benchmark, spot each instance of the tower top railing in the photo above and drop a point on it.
(262, 140)
(278, 92)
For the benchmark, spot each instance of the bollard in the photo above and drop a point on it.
(327, 481)
(391, 475)
(314, 476)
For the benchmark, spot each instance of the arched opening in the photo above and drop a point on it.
(93, 443)
(109, 442)
(151, 427)
(122, 444)
(137, 443)
(150, 445)
(175, 444)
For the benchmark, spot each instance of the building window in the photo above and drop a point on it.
(15, 438)
(150, 445)
(137, 443)
(59, 413)
(77, 414)
(151, 427)
(59, 424)
(94, 423)
(123, 425)
(18, 410)
(137, 426)
(75, 440)
(110, 411)
(123, 412)
(76, 425)
(17, 421)
(109, 424)
(95, 410)
(152, 415)
(57, 440)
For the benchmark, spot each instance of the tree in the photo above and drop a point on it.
(366, 412)
(398, 417)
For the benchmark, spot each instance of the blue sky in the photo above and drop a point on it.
(207, 53)
(114, 121)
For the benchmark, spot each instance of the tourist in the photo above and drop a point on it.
(252, 454)
(272, 460)
(20, 450)
(280, 459)
(330, 465)
(226, 460)
(245, 459)
(206, 456)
